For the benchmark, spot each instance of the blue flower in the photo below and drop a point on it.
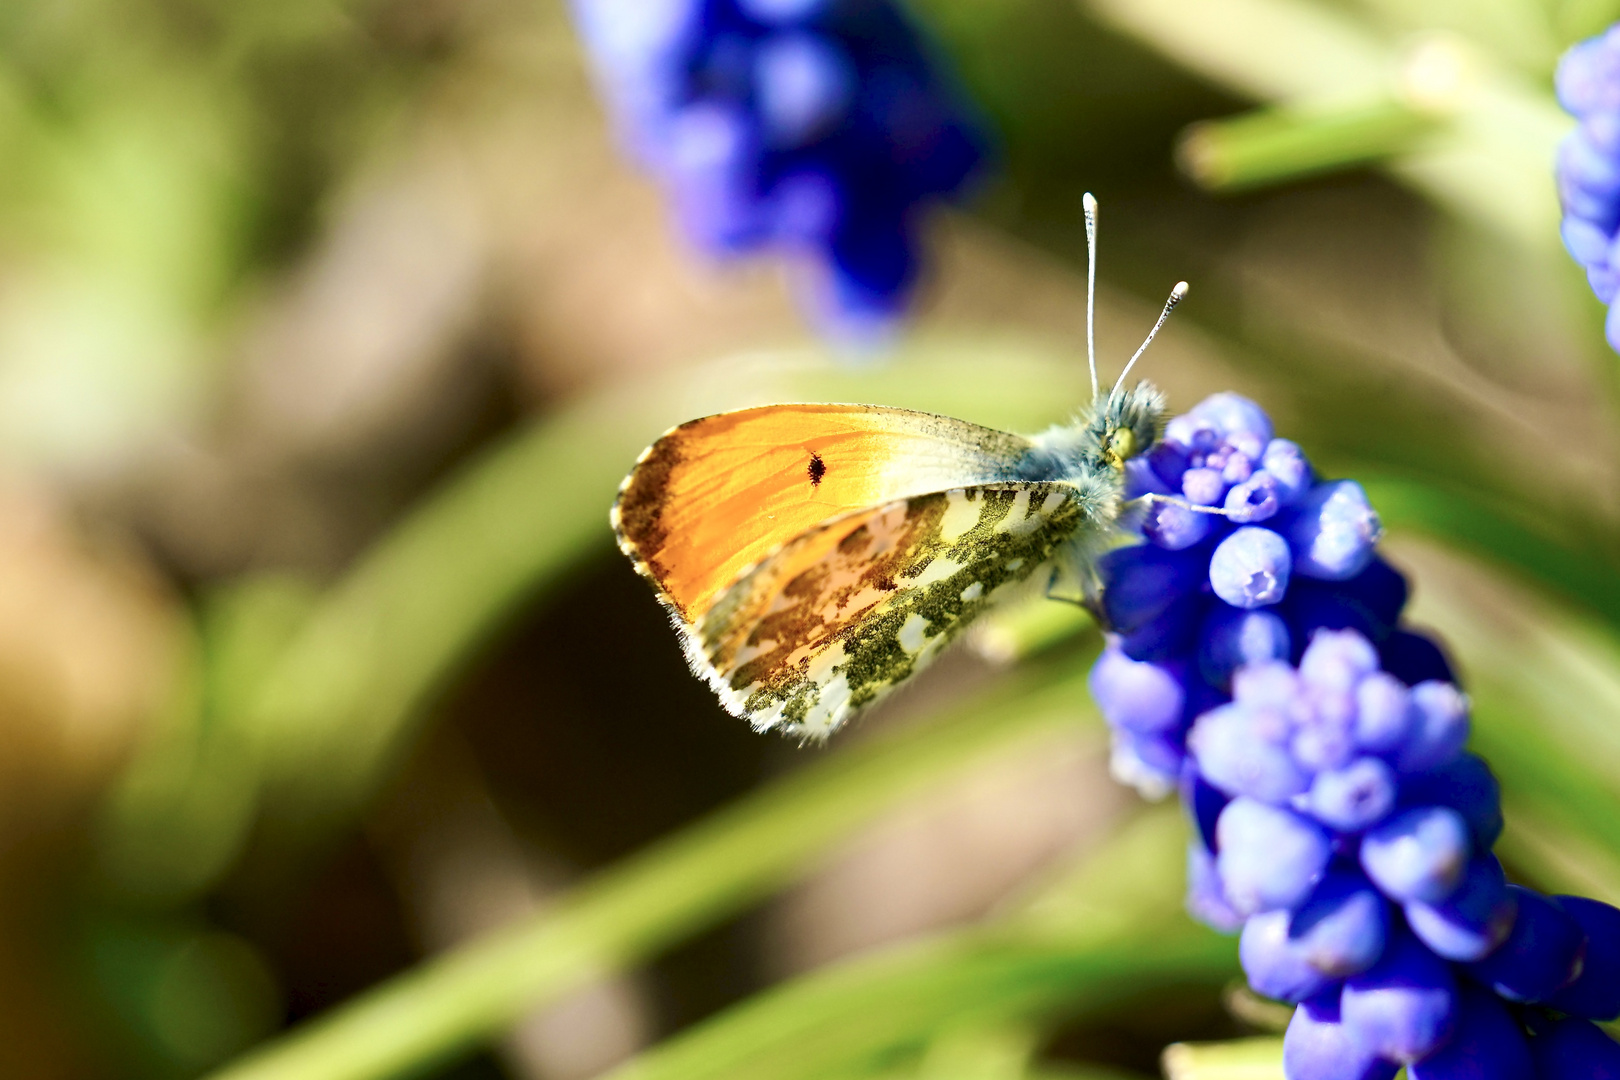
(1588, 167)
(1256, 663)
(818, 128)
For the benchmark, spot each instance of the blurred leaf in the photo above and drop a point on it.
(1240, 1059)
(1471, 522)
(1133, 940)
(692, 880)
(184, 996)
(1273, 145)
(1489, 163)
(181, 810)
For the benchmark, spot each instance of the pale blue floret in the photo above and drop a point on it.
(1339, 820)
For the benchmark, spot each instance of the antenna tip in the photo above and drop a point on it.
(1089, 201)
(1178, 293)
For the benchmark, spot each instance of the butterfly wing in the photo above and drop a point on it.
(846, 611)
(817, 555)
(715, 496)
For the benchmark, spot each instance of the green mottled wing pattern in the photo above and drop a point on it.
(844, 612)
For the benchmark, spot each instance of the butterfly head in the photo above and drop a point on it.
(1128, 422)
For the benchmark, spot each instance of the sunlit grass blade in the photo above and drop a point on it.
(837, 1019)
(1270, 146)
(1491, 165)
(1110, 933)
(1240, 1059)
(640, 907)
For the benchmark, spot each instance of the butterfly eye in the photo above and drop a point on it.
(1122, 444)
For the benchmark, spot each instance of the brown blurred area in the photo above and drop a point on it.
(459, 248)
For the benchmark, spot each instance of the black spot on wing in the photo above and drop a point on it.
(818, 469)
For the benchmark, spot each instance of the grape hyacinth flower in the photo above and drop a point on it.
(818, 128)
(1256, 662)
(1588, 169)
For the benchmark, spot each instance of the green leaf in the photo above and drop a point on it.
(1239, 1059)
(1119, 934)
(679, 886)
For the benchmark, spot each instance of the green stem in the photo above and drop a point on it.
(836, 1020)
(631, 912)
(1274, 145)
(1100, 936)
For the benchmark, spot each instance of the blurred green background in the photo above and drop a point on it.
(336, 742)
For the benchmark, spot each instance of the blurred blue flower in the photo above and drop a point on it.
(1588, 167)
(1256, 663)
(818, 128)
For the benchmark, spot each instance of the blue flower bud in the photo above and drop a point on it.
(1575, 1048)
(1231, 638)
(1268, 857)
(1335, 531)
(1473, 920)
(1588, 77)
(1418, 855)
(816, 127)
(1285, 462)
(803, 83)
(1275, 964)
(1140, 697)
(1466, 785)
(1193, 433)
(1353, 798)
(1203, 486)
(1542, 955)
(1204, 803)
(1168, 460)
(1487, 1045)
(1250, 568)
(1405, 1006)
(1439, 729)
(1323, 737)
(1383, 713)
(1206, 897)
(1174, 527)
(1413, 658)
(1257, 498)
(1369, 603)
(1343, 926)
(1149, 763)
(1266, 685)
(1585, 241)
(1169, 635)
(1595, 994)
(1318, 1046)
(1238, 469)
(1240, 421)
(1144, 582)
(1337, 660)
(1244, 751)
(1581, 165)
(783, 12)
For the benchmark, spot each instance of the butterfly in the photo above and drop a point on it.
(815, 556)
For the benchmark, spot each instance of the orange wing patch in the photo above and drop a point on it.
(840, 615)
(715, 496)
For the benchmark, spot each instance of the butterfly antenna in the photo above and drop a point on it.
(1089, 201)
(1177, 294)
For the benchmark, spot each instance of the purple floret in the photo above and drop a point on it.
(1320, 749)
(813, 128)
(1588, 164)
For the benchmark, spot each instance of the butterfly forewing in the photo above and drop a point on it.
(713, 497)
(847, 610)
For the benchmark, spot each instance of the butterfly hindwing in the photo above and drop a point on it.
(715, 496)
(848, 609)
